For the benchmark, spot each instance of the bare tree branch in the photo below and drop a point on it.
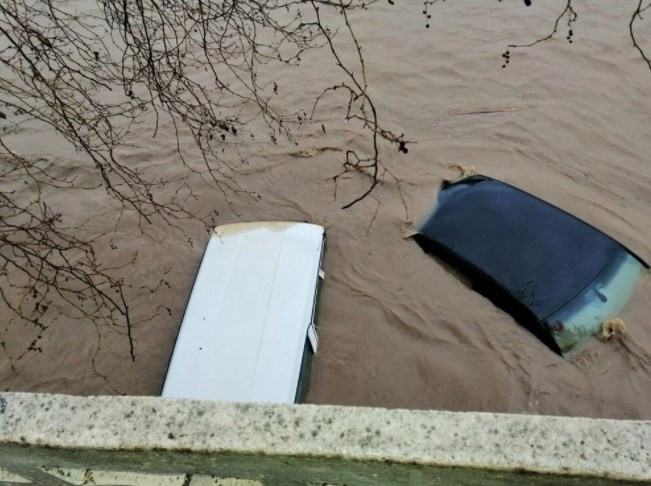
(92, 75)
(568, 13)
(637, 15)
(360, 107)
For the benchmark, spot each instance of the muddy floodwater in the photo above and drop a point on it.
(568, 122)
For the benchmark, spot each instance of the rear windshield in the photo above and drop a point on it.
(603, 299)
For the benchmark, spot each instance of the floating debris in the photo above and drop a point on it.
(612, 328)
(484, 111)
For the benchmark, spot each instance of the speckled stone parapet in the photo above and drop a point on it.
(354, 444)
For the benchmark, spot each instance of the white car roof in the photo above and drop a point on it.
(243, 333)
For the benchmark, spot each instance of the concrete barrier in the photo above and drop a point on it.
(59, 439)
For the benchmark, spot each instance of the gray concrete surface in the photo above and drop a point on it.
(308, 444)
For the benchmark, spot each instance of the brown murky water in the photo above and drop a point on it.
(396, 328)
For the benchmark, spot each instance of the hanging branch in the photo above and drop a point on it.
(360, 107)
(571, 16)
(91, 76)
(641, 8)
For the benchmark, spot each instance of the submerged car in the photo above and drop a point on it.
(249, 329)
(556, 275)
